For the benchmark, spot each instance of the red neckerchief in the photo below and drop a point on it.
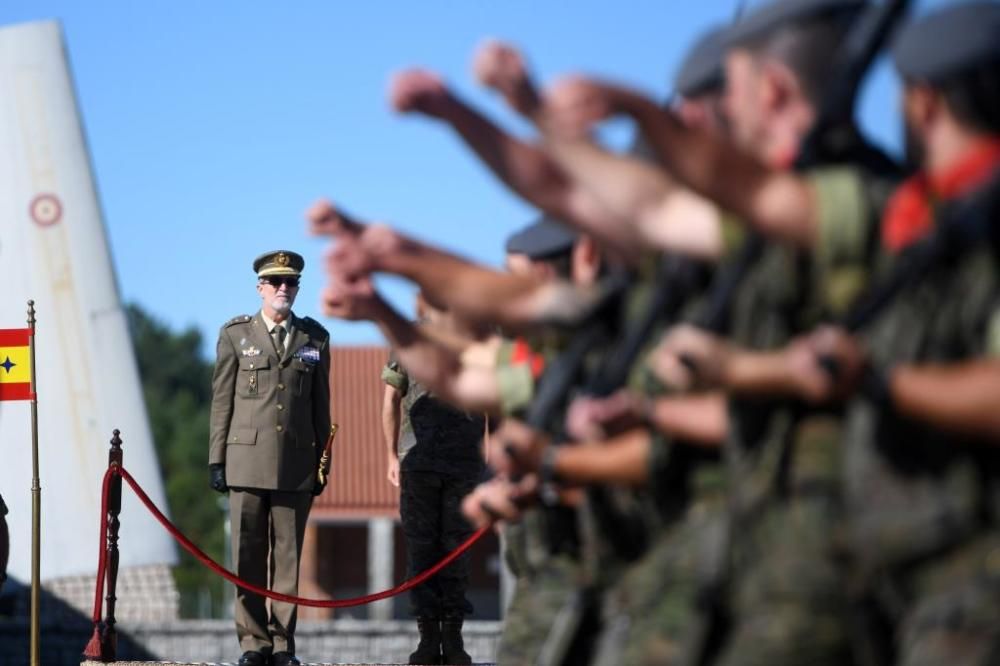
(909, 215)
(522, 354)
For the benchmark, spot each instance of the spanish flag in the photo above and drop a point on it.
(15, 364)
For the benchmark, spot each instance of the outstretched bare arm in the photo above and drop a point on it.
(524, 167)
(471, 387)
(473, 292)
(655, 211)
(776, 202)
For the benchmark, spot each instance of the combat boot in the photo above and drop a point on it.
(429, 648)
(452, 646)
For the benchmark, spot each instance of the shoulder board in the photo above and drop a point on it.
(316, 327)
(240, 319)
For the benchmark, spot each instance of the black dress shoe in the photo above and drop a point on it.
(284, 659)
(252, 658)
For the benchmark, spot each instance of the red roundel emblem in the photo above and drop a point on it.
(46, 209)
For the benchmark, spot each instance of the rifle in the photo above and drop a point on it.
(676, 277)
(560, 376)
(964, 225)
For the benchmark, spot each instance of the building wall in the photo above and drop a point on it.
(357, 488)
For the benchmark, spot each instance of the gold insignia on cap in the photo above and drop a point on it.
(281, 259)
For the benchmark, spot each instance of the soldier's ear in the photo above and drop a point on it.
(586, 260)
(922, 105)
(778, 85)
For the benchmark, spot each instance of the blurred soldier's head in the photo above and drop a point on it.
(278, 276)
(950, 65)
(779, 59)
(550, 250)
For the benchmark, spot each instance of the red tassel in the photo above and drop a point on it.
(93, 649)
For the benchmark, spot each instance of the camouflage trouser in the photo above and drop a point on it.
(952, 611)
(430, 510)
(538, 617)
(789, 597)
(656, 612)
(543, 616)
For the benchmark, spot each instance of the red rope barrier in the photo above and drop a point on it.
(234, 579)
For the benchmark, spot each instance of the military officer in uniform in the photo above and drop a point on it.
(269, 422)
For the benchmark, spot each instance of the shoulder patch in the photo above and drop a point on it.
(239, 319)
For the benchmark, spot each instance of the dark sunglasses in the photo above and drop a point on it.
(278, 281)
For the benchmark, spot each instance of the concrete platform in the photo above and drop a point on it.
(213, 642)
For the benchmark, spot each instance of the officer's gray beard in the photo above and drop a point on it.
(281, 305)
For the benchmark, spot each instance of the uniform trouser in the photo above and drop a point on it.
(544, 611)
(430, 509)
(947, 608)
(789, 600)
(267, 522)
(537, 611)
(659, 611)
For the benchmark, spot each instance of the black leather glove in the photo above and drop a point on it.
(318, 488)
(217, 477)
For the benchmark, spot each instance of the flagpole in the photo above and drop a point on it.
(36, 500)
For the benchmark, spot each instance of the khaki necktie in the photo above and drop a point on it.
(279, 340)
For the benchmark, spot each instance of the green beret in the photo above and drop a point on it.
(279, 262)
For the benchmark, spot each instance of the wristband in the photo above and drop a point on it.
(547, 477)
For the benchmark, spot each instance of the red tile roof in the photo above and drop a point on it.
(358, 488)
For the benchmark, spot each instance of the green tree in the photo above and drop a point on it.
(177, 386)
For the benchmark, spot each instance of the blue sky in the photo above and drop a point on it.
(213, 125)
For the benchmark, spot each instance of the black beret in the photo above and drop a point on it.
(760, 21)
(278, 262)
(541, 239)
(949, 41)
(702, 69)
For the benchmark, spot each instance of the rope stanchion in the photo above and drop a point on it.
(94, 650)
(236, 580)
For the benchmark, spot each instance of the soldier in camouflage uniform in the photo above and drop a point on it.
(921, 464)
(546, 250)
(440, 462)
(784, 517)
(547, 575)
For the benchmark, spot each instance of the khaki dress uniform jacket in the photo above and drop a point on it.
(269, 422)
